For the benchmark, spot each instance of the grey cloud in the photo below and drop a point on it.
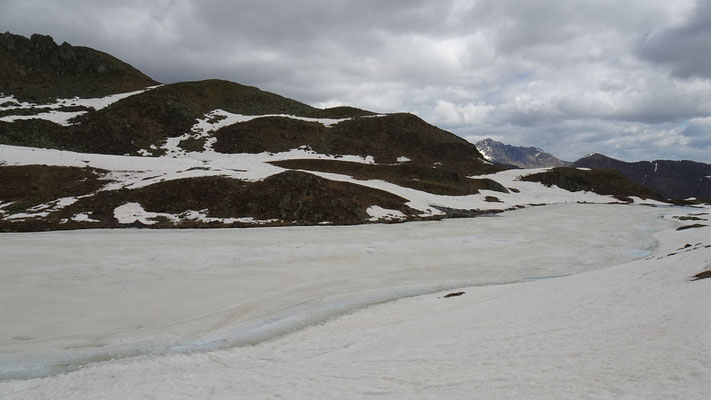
(567, 76)
(571, 140)
(686, 48)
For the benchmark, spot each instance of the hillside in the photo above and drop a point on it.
(602, 181)
(671, 179)
(215, 153)
(522, 157)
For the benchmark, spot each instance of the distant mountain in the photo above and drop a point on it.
(37, 69)
(671, 179)
(523, 157)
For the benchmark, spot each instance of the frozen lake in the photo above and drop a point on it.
(67, 298)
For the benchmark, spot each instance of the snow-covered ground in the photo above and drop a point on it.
(133, 172)
(637, 329)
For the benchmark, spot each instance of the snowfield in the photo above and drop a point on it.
(632, 325)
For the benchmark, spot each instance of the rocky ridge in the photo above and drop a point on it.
(522, 157)
(672, 179)
(37, 69)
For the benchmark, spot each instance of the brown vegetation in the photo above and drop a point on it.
(427, 179)
(600, 181)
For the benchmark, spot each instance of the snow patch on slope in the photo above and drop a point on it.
(43, 210)
(134, 212)
(57, 116)
(529, 193)
(378, 213)
(135, 172)
(216, 119)
(403, 159)
(485, 152)
(95, 103)
(83, 217)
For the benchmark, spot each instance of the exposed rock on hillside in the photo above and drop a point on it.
(522, 157)
(37, 69)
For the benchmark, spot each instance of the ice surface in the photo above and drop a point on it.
(636, 331)
(626, 332)
(79, 296)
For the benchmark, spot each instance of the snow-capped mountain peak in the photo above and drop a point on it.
(524, 157)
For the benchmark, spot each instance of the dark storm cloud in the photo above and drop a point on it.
(685, 47)
(571, 76)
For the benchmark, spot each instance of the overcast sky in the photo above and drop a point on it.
(629, 79)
